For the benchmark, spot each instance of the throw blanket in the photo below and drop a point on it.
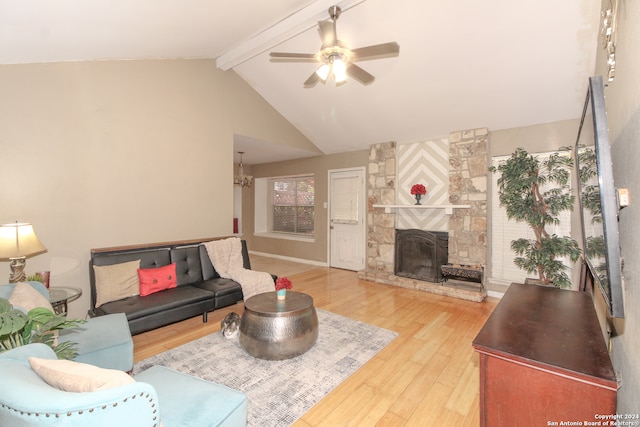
(226, 257)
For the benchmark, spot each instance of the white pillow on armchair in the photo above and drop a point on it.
(24, 296)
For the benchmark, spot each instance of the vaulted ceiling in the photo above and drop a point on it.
(462, 64)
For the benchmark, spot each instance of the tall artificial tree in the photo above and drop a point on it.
(536, 190)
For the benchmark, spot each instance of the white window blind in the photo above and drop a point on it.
(293, 205)
(345, 195)
(504, 231)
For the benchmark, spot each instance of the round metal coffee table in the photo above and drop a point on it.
(275, 329)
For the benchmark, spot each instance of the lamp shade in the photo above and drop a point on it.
(323, 71)
(339, 70)
(18, 240)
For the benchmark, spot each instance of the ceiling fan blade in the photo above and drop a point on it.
(312, 80)
(327, 31)
(377, 51)
(292, 55)
(359, 74)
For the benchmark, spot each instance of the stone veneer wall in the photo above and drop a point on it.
(468, 163)
(468, 152)
(381, 189)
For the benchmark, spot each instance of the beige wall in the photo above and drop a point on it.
(319, 166)
(535, 139)
(623, 117)
(110, 153)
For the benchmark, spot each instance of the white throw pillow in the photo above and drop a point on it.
(117, 281)
(68, 375)
(27, 298)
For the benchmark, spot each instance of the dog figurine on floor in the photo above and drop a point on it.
(230, 325)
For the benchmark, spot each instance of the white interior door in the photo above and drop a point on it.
(347, 224)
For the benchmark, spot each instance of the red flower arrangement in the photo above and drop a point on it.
(418, 189)
(283, 283)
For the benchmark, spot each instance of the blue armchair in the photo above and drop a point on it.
(157, 395)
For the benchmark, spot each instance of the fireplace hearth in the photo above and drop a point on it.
(419, 254)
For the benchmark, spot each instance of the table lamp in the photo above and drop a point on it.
(17, 242)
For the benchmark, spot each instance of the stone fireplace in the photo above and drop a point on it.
(467, 227)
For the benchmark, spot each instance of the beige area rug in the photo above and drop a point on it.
(280, 392)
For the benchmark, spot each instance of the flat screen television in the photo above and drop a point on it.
(598, 199)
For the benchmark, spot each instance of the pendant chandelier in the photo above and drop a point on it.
(242, 180)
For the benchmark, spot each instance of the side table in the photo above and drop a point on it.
(61, 296)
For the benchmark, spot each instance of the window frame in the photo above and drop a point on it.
(296, 206)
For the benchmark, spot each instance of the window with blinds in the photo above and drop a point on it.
(504, 231)
(293, 205)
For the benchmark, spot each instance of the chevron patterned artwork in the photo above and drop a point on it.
(424, 163)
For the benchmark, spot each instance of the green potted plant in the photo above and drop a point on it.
(535, 190)
(42, 277)
(38, 325)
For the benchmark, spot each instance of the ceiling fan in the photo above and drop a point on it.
(336, 57)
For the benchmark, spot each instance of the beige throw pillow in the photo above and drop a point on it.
(117, 281)
(26, 297)
(68, 375)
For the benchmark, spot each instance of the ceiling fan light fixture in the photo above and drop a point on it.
(339, 70)
(323, 71)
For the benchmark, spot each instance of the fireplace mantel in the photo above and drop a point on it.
(448, 209)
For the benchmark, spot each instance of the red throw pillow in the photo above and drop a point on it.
(157, 279)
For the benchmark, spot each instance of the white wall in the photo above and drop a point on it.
(426, 163)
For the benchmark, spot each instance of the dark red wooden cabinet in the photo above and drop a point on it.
(543, 360)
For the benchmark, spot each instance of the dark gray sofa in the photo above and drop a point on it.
(200, 288)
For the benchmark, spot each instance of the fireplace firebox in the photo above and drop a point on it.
(419, 254)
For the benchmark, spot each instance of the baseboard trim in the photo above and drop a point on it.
(495, 294)
(292, 259)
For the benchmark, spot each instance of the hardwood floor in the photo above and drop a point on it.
(427, 376)
(279, 267)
